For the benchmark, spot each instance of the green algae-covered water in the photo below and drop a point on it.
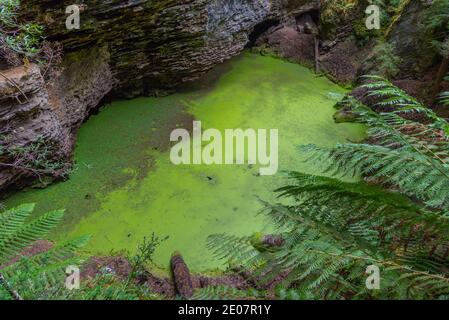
(124, 186)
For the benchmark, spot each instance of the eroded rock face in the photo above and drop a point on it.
(38, 123)
(289, 44)
(410, 42)
(343, 61)
(26, 117)
(157, 44)
(125, 49)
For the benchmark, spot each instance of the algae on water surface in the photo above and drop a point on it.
(125, 187)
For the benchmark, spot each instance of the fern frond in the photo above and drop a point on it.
(225, 293)
(333, 230)
(444, 98)
(24, 235)
(57, 254)
(390, 95)
(14, 218)
(414, 173)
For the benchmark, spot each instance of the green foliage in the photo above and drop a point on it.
(17, 38)
(8, 13)
(39, 157)
(442, 47)
(385, 61)
(16, 235)
(438, 16)
(400, 102)
(110, 287)
(27, 41)
(436, 26)
(144, 255)
(339, 7)
(334, 229)
(388, 11)
(226, 293)
(362, 33)
(444, 98)
(43, 275)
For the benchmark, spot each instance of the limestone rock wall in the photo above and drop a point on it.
(25, 117)
(156, 44)
(124, 48)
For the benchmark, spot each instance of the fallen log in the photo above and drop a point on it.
(181, 276)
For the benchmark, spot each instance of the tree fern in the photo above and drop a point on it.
(333, 229)
(41, 276)
(225, 293)
(332, 235)
(16, 235)
(444, 98)
(401, 103)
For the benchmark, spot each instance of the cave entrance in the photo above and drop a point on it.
(259, 29)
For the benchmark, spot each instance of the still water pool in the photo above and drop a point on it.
(124, 186)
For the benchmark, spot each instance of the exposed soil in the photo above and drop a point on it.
(289, 44)
(120, 267)
(36, 248)
(164, 286)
